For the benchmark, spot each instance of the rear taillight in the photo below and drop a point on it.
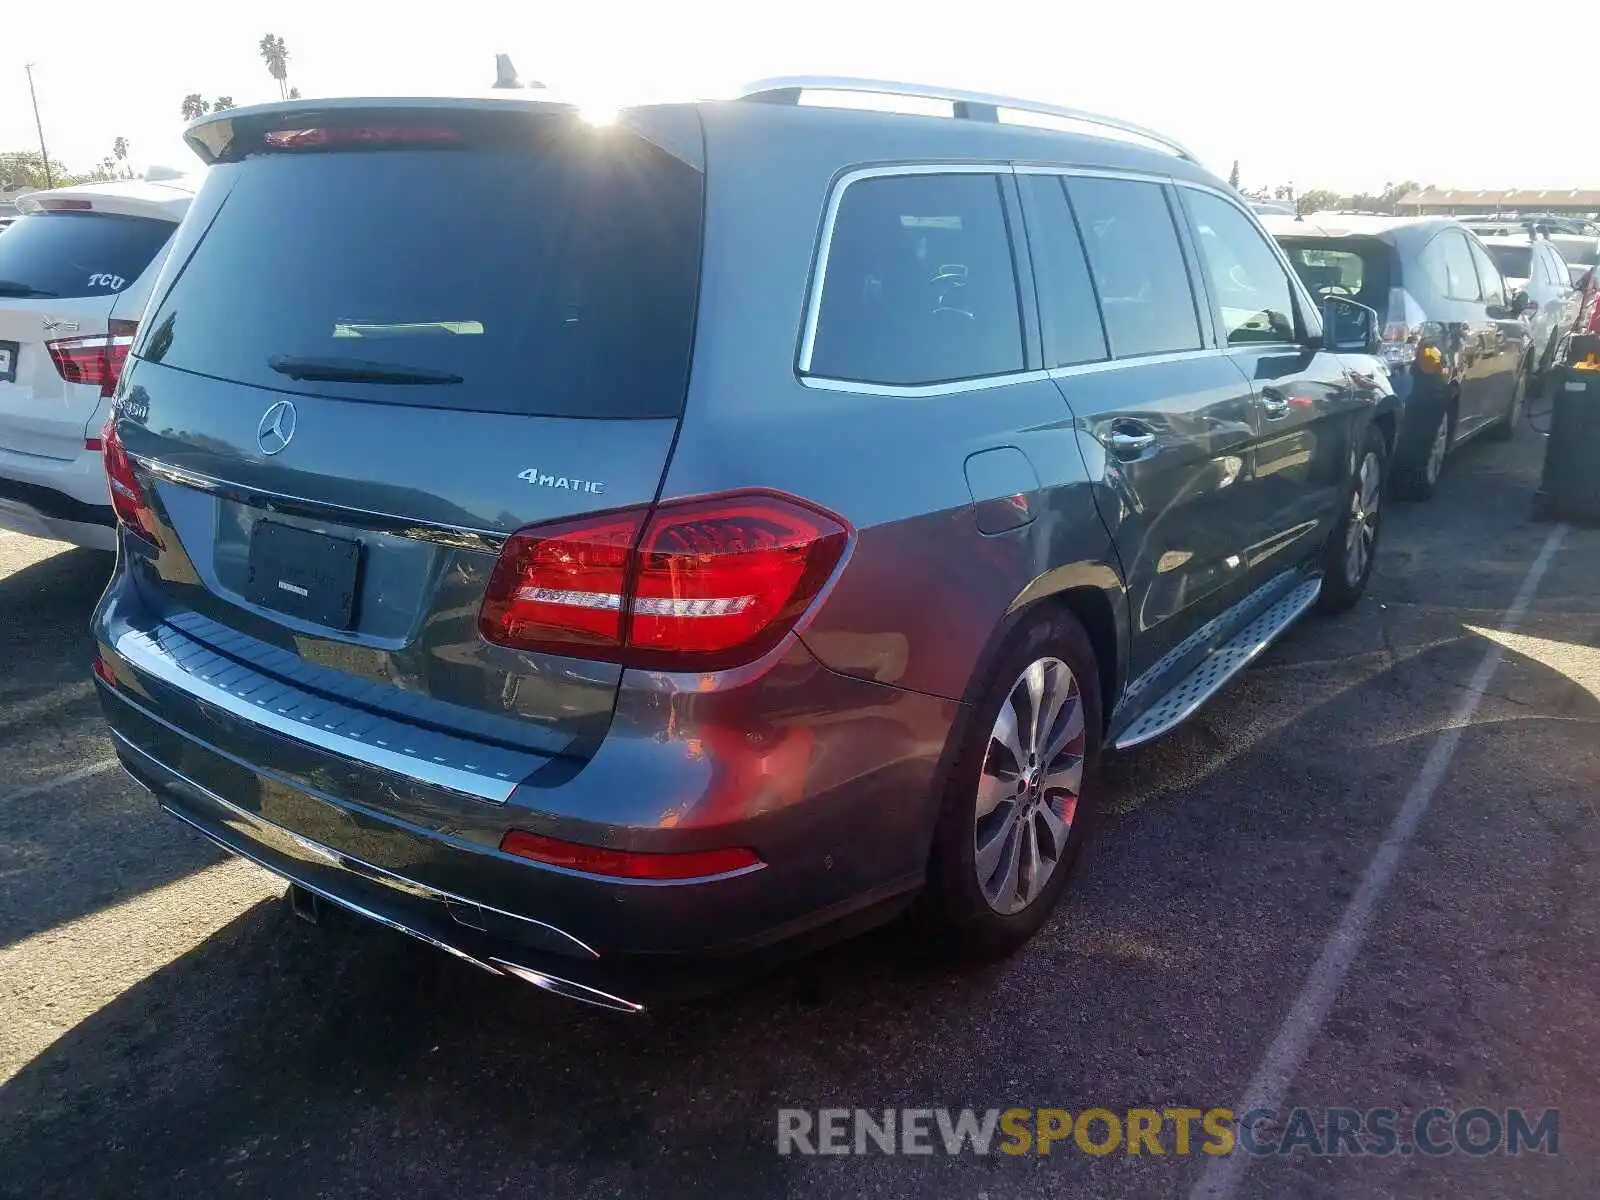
(96, 359)
(127, 498)
(697, 584)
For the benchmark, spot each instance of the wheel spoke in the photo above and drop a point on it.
(1068, 777)
(1070, 731)
(1055, 698)
(990, 851)
(1005, 891)
(1035, 870)
(993, 790)
(1036, 691)
(1006, 729)
(1059, 824)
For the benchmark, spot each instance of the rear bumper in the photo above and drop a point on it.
(57, 498)
(836, 800)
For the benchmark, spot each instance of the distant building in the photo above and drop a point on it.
(1432, 201)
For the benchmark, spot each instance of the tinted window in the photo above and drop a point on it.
(1067, 308)
(78, 253)
(1515, 262)
(1354, 267)
(920, 286)
(530, 267)
(1558, 267)
(1493, 287)
(1448, 263)
(1248, 283)
(1138, 266)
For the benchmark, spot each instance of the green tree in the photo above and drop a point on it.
(276, 55)
(1316, 200)
(1233, 175)
(119, 151)
(25, 169)
(222, 102)
(194, 106)
(294, 93)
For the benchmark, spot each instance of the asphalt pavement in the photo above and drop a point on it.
(168, 1028)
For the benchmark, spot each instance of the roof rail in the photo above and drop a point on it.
(971, 106)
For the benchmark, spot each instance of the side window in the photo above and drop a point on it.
(1067, 307)
(919, 286)
(1250, 286)
(1138, 266)
(1559, 275)
(1493, 284)
(1448, 262)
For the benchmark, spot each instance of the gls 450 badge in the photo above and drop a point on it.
(564, 482)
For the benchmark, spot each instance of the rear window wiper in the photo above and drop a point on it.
(355, 370)
(21, 291)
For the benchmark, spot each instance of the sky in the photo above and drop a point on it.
(1285, 93)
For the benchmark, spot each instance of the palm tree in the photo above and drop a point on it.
(276, 55)
(119, 151)
(194, 106)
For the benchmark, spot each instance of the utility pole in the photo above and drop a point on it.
(49, 180)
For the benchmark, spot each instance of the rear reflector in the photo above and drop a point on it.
(127, 498)
(627, 864)
(103, 671)
(96, 359)
(690, 585)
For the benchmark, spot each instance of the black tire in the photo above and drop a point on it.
(1505, 428)
(1413, 476)
(1340, 591)
(953, 904)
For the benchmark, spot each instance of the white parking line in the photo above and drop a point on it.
(1288, 1050)
(60, 781)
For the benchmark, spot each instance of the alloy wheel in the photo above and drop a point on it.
(1361, 536)
(1029, 786)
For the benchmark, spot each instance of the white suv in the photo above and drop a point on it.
(1534, 265)
(76, 268)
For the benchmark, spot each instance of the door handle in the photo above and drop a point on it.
(1127, 444)
(1273, 404)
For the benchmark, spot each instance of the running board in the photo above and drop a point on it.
(1223, 664)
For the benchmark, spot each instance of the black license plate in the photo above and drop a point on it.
(9, 353)
(307, 575)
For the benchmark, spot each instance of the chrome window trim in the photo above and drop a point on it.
(458, 537)
(819, 276)
(1035, 168)
(952, 388)
(1101, 366)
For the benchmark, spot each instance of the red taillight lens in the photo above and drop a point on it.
(127, 498)
(697, 584)
(96, 359)
(627, 864)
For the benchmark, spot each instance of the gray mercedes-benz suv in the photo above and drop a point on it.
(619, 553)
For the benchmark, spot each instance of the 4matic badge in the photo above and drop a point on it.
(565, 482)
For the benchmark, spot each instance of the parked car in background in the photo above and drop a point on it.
(605, 598)
(5, 223)
(1456, 339)
(1577, 240)
(75, 271)
(1533, 265)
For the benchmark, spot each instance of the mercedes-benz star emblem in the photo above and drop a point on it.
(276, 428)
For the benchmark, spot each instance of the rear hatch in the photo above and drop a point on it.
(387, 337)
(62, 273)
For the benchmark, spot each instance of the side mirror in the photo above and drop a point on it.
(1348, 326)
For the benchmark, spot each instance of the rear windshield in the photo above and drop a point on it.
(1515, 262)
(535, 266)
(60, 254)
(1357, 268)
